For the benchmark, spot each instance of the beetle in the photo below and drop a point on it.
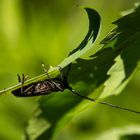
(54, 85)
(43, 87)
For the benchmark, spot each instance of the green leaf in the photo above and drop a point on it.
(125, 39)
(54, 108)
(36, 127)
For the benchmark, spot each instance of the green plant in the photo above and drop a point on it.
(106, 73)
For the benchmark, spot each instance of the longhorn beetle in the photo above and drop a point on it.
(54, 85)
(43, 87)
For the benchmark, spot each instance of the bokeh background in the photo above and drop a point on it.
(32, 32)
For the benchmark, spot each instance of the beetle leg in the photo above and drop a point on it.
(46, 72)
(19, 79)
(28, 89)
(58, 86)
(24, 78)
(22, 82)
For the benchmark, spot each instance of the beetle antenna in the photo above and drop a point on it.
(103, 103)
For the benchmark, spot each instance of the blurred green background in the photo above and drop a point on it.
(32, 32)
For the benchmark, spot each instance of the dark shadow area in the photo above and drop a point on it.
(130, 137)
(129, 41)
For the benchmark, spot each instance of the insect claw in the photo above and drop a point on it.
(46, 71)
(19, 79)
(44, 68)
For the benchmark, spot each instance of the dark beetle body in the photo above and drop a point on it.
(43, 87)
(40, 88)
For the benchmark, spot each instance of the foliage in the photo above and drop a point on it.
(110, 69)
(105, 73)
